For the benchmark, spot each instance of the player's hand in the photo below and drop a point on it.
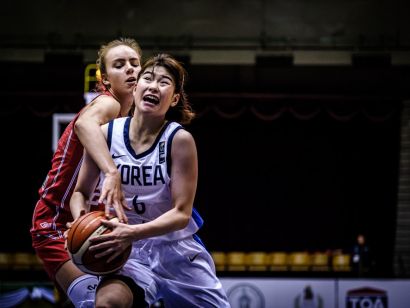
(113, 197)
(113, 243)
(68, 225)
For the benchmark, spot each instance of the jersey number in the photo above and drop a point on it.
(138, 206)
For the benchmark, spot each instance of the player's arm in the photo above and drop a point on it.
(88, 129)
(85, 186)
(184, 176)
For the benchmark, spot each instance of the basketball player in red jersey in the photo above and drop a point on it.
(119, 64)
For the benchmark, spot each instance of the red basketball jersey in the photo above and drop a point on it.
(52, 210)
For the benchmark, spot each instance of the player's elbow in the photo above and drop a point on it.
(79, 126)
(83, 189)
(183, 219)
(80, 193)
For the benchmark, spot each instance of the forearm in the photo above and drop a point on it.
(93, 140)
(78, 204)
(170, 221)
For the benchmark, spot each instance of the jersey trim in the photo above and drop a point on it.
(109, 133)
(169, 145)
(197, 218)
(127, 140)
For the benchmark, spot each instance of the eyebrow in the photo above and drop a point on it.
(124, 59)
(162, 76)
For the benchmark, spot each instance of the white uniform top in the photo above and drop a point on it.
(146, 183)
(145, 177)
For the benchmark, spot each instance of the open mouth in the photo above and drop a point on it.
(131, 79)
(151, 99)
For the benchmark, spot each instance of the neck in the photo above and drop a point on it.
(143, 127)
(125, 102)
(113, 94)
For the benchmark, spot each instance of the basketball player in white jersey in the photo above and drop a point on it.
(157, 160)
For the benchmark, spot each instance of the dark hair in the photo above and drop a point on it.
(101, 65)
(182, 111)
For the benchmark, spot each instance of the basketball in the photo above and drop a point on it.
(78, 241)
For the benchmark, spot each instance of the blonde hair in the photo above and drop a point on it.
(101, 64)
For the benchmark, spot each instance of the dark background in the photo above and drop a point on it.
(323, 170)
(293, 156)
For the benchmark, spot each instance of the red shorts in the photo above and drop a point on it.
(48, 241)
(47, 235)
(52, 253)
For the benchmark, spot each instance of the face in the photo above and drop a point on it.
(123, 66)
(155, 91)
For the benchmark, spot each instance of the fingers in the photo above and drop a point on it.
(109, 199)
(111, 252)
(107, 211)
(100, 242)
(102, 196)
(108, 223)
(65, 238)
(65, 234)
(108, 245)
(106, 249)
(117, 202)
(106, 199)
(105, 252)
(114, 255)
(120, 212)
(109, 191)
(124, 202)
(102, 245)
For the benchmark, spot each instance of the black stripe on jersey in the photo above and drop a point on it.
(128, 142)
(126, 136)
(109, 133)
(169, 145)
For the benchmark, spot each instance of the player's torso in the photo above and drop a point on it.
(145, 177)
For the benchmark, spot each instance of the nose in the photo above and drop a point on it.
(130, 69)
(153, 85)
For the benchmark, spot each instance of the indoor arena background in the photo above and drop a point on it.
(303, 127)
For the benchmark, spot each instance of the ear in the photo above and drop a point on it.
(175, 100)
(105, 80)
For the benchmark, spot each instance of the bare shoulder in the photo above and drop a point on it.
(183, 145)
(105, 99)
(103, 108)
(183, 137)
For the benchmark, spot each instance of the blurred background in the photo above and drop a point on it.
(303, 127)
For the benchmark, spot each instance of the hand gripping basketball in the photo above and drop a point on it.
(78, 242)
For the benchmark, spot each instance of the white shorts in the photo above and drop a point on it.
(180, 272)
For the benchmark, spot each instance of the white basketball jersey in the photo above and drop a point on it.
(145, 177)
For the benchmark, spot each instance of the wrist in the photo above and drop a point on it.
(112, 172)
(136, 232)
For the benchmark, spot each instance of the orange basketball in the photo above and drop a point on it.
(78, 241)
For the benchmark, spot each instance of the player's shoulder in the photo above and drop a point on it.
(105, 103)
(104, 98)
(182, 136)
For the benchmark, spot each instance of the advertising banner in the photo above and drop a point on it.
(280, 293)
(317, 293)
(374, 293)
